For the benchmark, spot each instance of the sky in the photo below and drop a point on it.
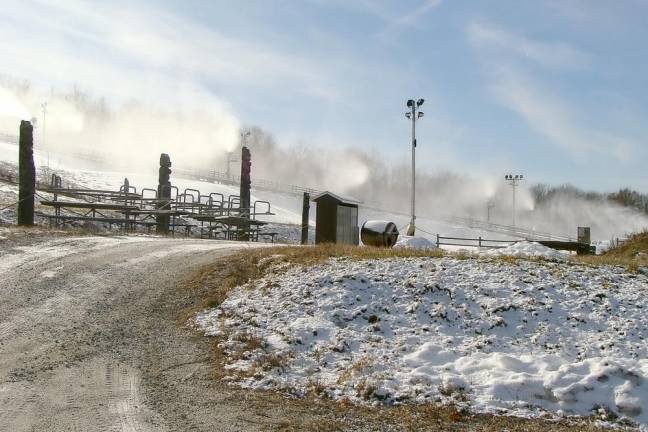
(554, 90)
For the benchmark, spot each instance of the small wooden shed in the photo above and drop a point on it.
(336, 220)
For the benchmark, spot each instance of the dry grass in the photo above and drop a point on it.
(251, 264)
(631, 254)
(315, 412)
(342, 415)
(357, 367)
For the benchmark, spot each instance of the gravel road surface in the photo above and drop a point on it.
(89, 339)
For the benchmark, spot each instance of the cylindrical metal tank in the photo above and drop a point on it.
(379, 233)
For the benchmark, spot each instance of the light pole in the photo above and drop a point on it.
(44, 107)
(489, 206)
(230, 159)
(414, 114)
(514, 181)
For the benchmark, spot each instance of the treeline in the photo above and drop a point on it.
(625, 197)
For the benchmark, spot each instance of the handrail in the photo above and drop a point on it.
(255, 208)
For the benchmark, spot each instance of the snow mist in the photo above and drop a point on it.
(128, 137)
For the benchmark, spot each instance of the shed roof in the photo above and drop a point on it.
(339, 199)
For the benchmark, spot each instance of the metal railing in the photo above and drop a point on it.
(478, 242)
(234, 180)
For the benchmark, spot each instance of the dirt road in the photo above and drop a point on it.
(88, 339)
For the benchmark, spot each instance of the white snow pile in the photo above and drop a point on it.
(411, 242)
(519, 339)
(527, 250)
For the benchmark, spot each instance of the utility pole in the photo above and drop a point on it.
(44, 107)
(489, 206)
(413, 115)
(514, 181)
(230, 159)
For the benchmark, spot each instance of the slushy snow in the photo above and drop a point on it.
(499, 337)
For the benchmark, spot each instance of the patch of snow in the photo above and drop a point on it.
(527, 250)
(50, 274)
(603, 246)
(520, 339)
(410, 242)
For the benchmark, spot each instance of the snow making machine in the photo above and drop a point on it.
(379, 233)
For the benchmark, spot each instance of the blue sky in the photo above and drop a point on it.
(556, 90)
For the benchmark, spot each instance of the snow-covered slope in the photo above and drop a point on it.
(287, 207)
(499, 337)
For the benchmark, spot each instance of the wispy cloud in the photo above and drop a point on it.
(394, 18)
(120, 47)
(549, 115)
(416, 14)
(403, 14)
(514, 67)
(554, 54)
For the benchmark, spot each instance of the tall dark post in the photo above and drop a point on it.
(304, 225)
(26, 175)
(246, 182)
(164, 194)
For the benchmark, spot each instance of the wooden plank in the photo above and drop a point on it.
(87, 205)
(98, 219)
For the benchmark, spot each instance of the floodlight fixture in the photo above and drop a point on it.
(413, 115)
(514, 181)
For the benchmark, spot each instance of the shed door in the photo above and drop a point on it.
(347, 225)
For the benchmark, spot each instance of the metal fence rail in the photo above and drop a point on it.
(479, 242)
(473, 242)
(234, 180)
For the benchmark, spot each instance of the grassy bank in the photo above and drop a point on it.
(210, 287)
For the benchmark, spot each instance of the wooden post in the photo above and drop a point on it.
(305, 211)
(26, 174)
(164, 194)
(438, 240)
(480, 240)
(244, 192)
